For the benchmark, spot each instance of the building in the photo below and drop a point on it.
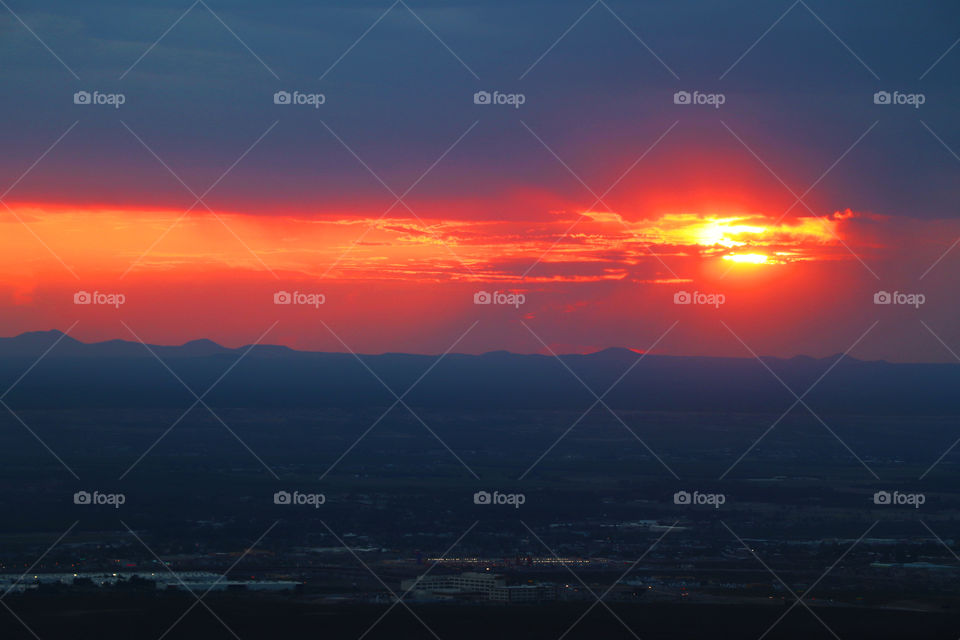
(477, 586)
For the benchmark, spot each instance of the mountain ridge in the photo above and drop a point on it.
(47, 339)
(47, 370)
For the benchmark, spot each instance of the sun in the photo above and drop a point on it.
(726, 232)
(747, 258)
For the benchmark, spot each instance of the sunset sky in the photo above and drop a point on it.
(598, 199)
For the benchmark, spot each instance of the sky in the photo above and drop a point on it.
(708, 178)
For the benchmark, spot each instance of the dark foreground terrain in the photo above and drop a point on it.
(695, 511)
(149, 616)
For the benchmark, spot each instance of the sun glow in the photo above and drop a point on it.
(747, 258)
(724, 232)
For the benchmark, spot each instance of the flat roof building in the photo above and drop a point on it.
(483, 586)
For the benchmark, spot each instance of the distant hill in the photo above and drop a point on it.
(120, 373)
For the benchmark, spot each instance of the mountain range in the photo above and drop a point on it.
(62, 372)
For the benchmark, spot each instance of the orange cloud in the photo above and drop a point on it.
(567, 247)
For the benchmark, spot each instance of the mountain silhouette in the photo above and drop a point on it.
(120, 373)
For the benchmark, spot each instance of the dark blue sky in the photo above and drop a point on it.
(495, 188)
(398, 98)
